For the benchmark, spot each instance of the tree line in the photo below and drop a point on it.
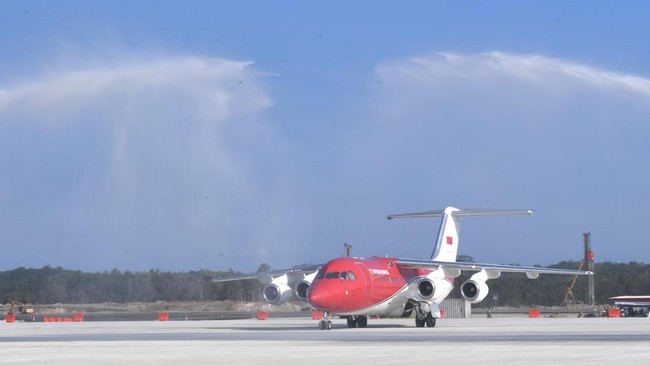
(611, 279)
(50, 285)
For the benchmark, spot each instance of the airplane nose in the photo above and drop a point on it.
(318, 298)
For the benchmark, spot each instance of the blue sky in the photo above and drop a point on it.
(180, 136)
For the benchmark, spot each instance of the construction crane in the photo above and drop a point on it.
(569, 299)
(586, 264)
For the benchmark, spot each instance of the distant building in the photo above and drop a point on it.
(632, 306)
(456, 308)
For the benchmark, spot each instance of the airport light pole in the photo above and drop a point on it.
(347, 248)
(589, 260)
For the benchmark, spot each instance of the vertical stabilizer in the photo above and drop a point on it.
(446, 246)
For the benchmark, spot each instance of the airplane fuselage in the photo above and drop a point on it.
(365, 286)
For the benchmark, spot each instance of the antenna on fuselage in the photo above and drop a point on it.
(347, 247)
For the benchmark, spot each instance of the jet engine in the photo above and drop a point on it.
(426, 288)
(474, 290)
(301, 290)
(303, 286)
(277, 293)
(433, 288)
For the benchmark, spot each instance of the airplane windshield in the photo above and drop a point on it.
(320, 275)
(332, 275)
(348, 276)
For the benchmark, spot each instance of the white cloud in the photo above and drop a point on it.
(505, 130)
(534, 69)
(218, 87)
(160, 161)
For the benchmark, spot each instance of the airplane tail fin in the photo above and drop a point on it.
(446, 247)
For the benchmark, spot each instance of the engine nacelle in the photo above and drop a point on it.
(426, 288)
(301, 290)
(474, 290)
(432, 289)
(277, 293)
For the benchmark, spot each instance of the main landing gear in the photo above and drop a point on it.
(360, 321)
(423, 315)
(427, 320)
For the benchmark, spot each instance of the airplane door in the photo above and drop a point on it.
(367, 278)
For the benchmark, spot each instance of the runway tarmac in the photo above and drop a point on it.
(509, 341)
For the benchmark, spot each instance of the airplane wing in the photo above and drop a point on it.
(454, 268)
(308, 268)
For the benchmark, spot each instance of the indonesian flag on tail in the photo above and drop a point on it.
(450, 240)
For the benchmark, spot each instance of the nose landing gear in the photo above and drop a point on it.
(325, 323)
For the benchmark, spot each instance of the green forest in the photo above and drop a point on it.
(50, 285)
(611, 279)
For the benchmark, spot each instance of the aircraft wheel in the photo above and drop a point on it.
(352, 322)
(321, 325)
(430, 321)
(419, 322)
(328, 325)
(362, 321)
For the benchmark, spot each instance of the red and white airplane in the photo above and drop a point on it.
(356, 288)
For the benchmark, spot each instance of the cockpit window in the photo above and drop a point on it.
(348, 276)
(332, 275)
(320, 275)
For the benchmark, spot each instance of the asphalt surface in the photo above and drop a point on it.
(516, 341)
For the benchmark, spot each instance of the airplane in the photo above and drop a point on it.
(358, 288)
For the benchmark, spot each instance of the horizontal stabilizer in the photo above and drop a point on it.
(460, 213)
